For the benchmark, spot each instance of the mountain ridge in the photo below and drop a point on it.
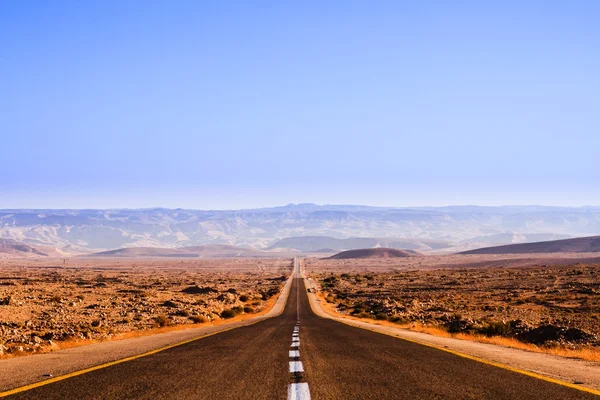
(431, 229)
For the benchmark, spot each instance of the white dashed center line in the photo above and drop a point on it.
(296, 366)
(298, 391)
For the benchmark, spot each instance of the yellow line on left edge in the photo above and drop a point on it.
(109, 364)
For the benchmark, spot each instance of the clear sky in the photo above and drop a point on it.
(228, 104)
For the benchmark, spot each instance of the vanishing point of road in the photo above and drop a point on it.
(299, 355)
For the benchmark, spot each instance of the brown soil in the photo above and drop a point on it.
(44, 304)
(546, 305)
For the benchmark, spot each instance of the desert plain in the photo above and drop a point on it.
(543, 300)
(547, 301)
(48, 304)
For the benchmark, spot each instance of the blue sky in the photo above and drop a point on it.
(247, 104)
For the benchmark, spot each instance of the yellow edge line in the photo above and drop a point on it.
(463, 355)
(122, 360)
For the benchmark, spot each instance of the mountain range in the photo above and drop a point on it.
(297, 227)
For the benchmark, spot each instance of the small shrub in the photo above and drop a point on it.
(227, 314)
(248, 310)
(238, 309)
(244, 298)
(497, 329)
(381, 316)
(198, 319)
(162, 320)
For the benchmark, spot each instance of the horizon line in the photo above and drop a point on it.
(291, 205)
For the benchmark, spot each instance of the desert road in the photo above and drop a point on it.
(299, 355)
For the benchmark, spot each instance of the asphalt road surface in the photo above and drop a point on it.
(300, 355)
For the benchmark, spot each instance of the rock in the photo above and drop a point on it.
(5, 301)
(37, 339)
(227, 297)
(170, 304)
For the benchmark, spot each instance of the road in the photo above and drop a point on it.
(301, 355)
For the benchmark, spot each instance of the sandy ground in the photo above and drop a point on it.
(45, 305)
(567, 370)
(552, 305)
(16, 372)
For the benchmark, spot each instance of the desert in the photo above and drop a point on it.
(541, 302)
(47, 304)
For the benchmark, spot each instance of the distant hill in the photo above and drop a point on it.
(210, 251)
(381, 252)
(13, 248)
(331, 244)
(575, 245)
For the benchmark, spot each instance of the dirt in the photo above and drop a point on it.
(44, 303)
(550, 305)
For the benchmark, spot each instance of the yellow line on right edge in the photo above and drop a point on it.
(126, 359)
(463, 355)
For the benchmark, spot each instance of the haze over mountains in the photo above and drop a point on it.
(301, 227)
(209, 251)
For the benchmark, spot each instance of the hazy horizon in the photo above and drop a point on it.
(270, 206)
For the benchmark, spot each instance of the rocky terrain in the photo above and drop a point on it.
(45, 304)
(546, 305)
